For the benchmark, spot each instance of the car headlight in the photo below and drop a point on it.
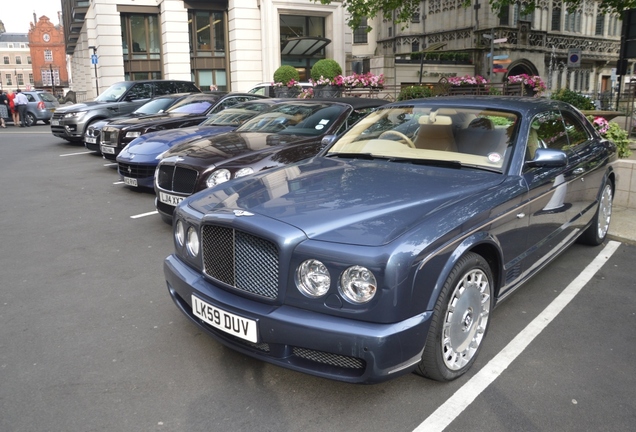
(312, 278)
(132, 134)
(77, 115)
(243, 172)
(192, 242)
(179, 233)
(218, 177)
(358, 285)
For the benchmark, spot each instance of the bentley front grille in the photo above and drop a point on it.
(243, 261)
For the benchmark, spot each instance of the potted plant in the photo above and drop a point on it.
(286, 82)
(326, 75)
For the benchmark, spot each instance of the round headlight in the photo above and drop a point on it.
(179, 233)
(312, 278)
(218, 177)
(192, 242)
(243, 172)
(358, 285)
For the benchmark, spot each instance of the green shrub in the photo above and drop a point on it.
(619, 136)
(326, 68)
(576, 99)
(415, 92)
(285, 74)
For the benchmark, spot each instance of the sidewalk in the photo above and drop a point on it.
(623, 224)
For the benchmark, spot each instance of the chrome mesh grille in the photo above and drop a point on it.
(243, 261)
(136, 170)
(177, 179)
(109, 137)
(329, 358)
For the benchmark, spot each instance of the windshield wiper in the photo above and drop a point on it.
(432, 162)
(367, 156)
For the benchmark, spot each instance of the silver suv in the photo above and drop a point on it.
(121, 98)
(41, 106)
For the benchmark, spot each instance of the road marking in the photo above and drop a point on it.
(110, 164)
(75, 154)
(453, 407)
(118, 182)
(145, 214)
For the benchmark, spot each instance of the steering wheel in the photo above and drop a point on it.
(400, 135)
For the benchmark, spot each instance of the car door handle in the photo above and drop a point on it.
(579, 171)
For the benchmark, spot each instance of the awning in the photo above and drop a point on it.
(303, 46)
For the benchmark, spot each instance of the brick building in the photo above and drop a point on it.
(48, 56)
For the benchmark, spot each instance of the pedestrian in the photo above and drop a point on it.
(4, 108)
(12, 109)
(21, 102)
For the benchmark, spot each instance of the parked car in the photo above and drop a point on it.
(267, 89)
(189, 112)
(137, 161)
(388, 251)
(41, 106)
(156, 105)
(71, 122)
(298, 123)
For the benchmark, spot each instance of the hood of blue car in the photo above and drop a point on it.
(155, 143)
(359, 202)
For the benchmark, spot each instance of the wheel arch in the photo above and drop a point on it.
(483, 244)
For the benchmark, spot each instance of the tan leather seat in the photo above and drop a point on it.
(436, 133)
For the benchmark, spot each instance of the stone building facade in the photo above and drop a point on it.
(15, 61)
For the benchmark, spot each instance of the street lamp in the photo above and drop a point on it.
(52, 80)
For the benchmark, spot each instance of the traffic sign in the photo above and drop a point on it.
(501, 40)
(94, 59)
(574, 57)
(500, 57)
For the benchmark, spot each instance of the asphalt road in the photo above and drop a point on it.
(91, 341)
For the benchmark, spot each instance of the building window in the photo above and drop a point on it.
(518, 16)
(360, 35)
(556, 19)
(20, 79)
(504, 16)
(600, 25)
(48, 79)
(7, 79)
(415, 46)
(28, 59)
(207, 33)
(48, 55)
(295, 26)
(30, 78)
(6, 60)
(572, 21)
(18, 60)
(141, 46)
(614, 26)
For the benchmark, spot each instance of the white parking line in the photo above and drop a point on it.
(118, 182)
(453, 407)
(75, 154)
(110, 164)
(145, 214)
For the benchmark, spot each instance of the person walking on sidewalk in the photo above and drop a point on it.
(21, 102)
(4, 108)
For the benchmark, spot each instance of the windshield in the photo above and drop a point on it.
(236, 115)
(47, 97)
(469, 136)
(155, 106)
(114, 92)
(193, 105)
(296, 118)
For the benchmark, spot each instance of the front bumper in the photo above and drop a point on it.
(65, 129)
(305, 341)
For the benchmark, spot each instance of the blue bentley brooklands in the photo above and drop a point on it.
(388, 251)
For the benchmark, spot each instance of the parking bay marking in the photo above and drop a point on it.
(144, 214)
(453, 407)
(75, 154)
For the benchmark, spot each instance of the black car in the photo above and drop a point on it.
(188, 112)
(297, 124)
(153, 106)
(387, 252)
(71, 122)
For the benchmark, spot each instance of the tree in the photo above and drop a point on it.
(401, 11)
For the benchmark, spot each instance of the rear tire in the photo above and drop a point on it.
(30, 119)
(460, 320)
(595, 234)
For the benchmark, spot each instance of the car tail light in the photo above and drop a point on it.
(40, 105)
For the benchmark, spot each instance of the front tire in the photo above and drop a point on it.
(460, 320)
(595, 234)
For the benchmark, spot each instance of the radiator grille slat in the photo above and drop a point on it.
(241, 260)
(177, 179)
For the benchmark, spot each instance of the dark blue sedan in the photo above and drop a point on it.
(387, 252)
(137, 161)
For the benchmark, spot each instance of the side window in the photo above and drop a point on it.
(140, 91)
(163, 88)
(577, 134)
(30, 97)
(185, 87)
(547, 131)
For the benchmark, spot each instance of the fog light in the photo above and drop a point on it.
(192, 242)
(179, 233)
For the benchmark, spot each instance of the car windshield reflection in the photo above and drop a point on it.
(469, 136)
